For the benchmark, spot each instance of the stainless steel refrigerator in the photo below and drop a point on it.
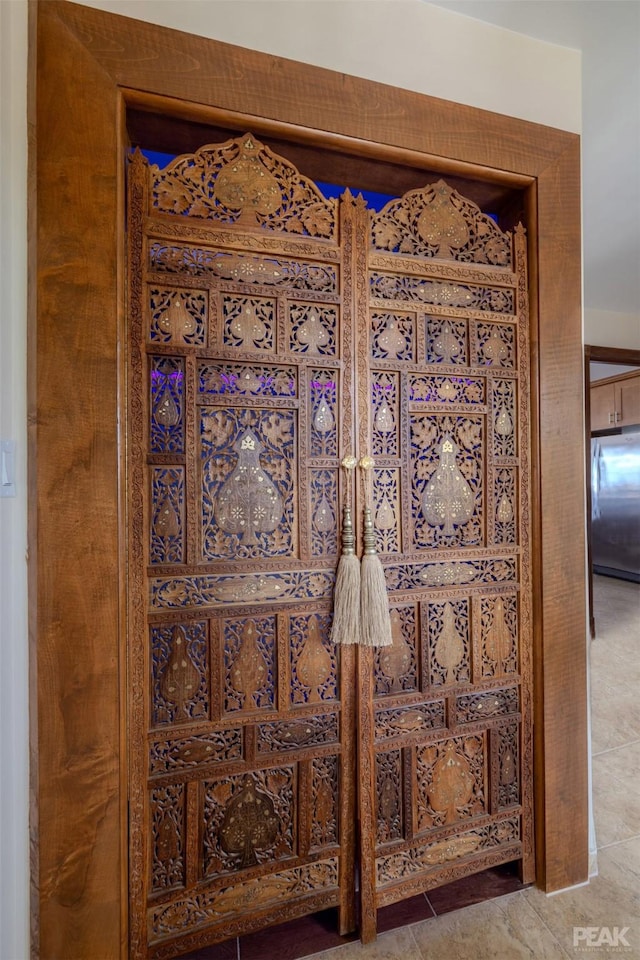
(615, 505)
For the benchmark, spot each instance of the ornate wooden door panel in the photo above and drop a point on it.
(445, 712)
(255, 305)
(239, 408)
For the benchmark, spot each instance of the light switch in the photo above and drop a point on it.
(7, 468)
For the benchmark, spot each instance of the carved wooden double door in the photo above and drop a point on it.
(271, 332)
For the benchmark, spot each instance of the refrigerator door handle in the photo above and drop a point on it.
(596, 456)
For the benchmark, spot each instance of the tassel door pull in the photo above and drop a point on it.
(345, 628)
(375, 620)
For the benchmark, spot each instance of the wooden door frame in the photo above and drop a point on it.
(85, 66)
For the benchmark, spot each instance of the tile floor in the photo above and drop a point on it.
(503, 920)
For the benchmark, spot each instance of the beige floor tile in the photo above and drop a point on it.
(394, 945)
(503, 929)
(616, 794)
(611, 899)
(615, 714)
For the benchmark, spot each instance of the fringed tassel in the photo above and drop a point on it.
(345, 627)
(375, 621)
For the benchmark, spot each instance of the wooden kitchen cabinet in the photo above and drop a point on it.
(615, 402)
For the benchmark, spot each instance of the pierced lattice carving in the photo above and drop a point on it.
(189, 260)
(180, 670)
(449, 642)
(385, 414)
(447, 480)
(247, 482)
(248, 502)
(323, 487)
(392, 286)
(505, 506)
(387, 510)
(508, 766)
(424, 388)
(250, 663)
(496, 344)
(499, 617)
(493, 703)
(178, 316)
(395, 866)
(167, 837)
(246, 380)
(169, 756)
(324, 802)
(504, 431)
(446, 341)
(167, 405)
(312, 329)
(436, 221)
(248, 819)
(393, 336)
(313, 660)
(407, 721)
(389, 793)
(210, 905)
(242, 182)
(396, 666)
(323, 413)
(451, 781)
(302, 733)
(249, 323)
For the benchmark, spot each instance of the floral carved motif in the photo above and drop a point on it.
(242, 182)
(436, 221)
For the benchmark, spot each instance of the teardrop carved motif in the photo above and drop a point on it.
(449, 648)
(177, 321)
(324, 518)
(389, 801)
(249, 669)
(180, 680)
(248, 502)
(250, 824)
(248, 328)
(245, 185)
(314, 664)
(324, 420)
(497, 642)
(384, 421)
(504, 513)
(504, 423)
(391, 340)
(446, 344)
(396, 659)
(313, 333)
(448, 499)
(385, 516)
(166, 410)
(452, 785)
(167, 521)
(167, 843)
(508, 770)
(441, 225)
(495, 348)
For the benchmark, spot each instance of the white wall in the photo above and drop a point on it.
(401, 42)
(14, 848)
(605, 328)
(405, 43)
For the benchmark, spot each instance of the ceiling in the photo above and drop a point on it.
(608, 34)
